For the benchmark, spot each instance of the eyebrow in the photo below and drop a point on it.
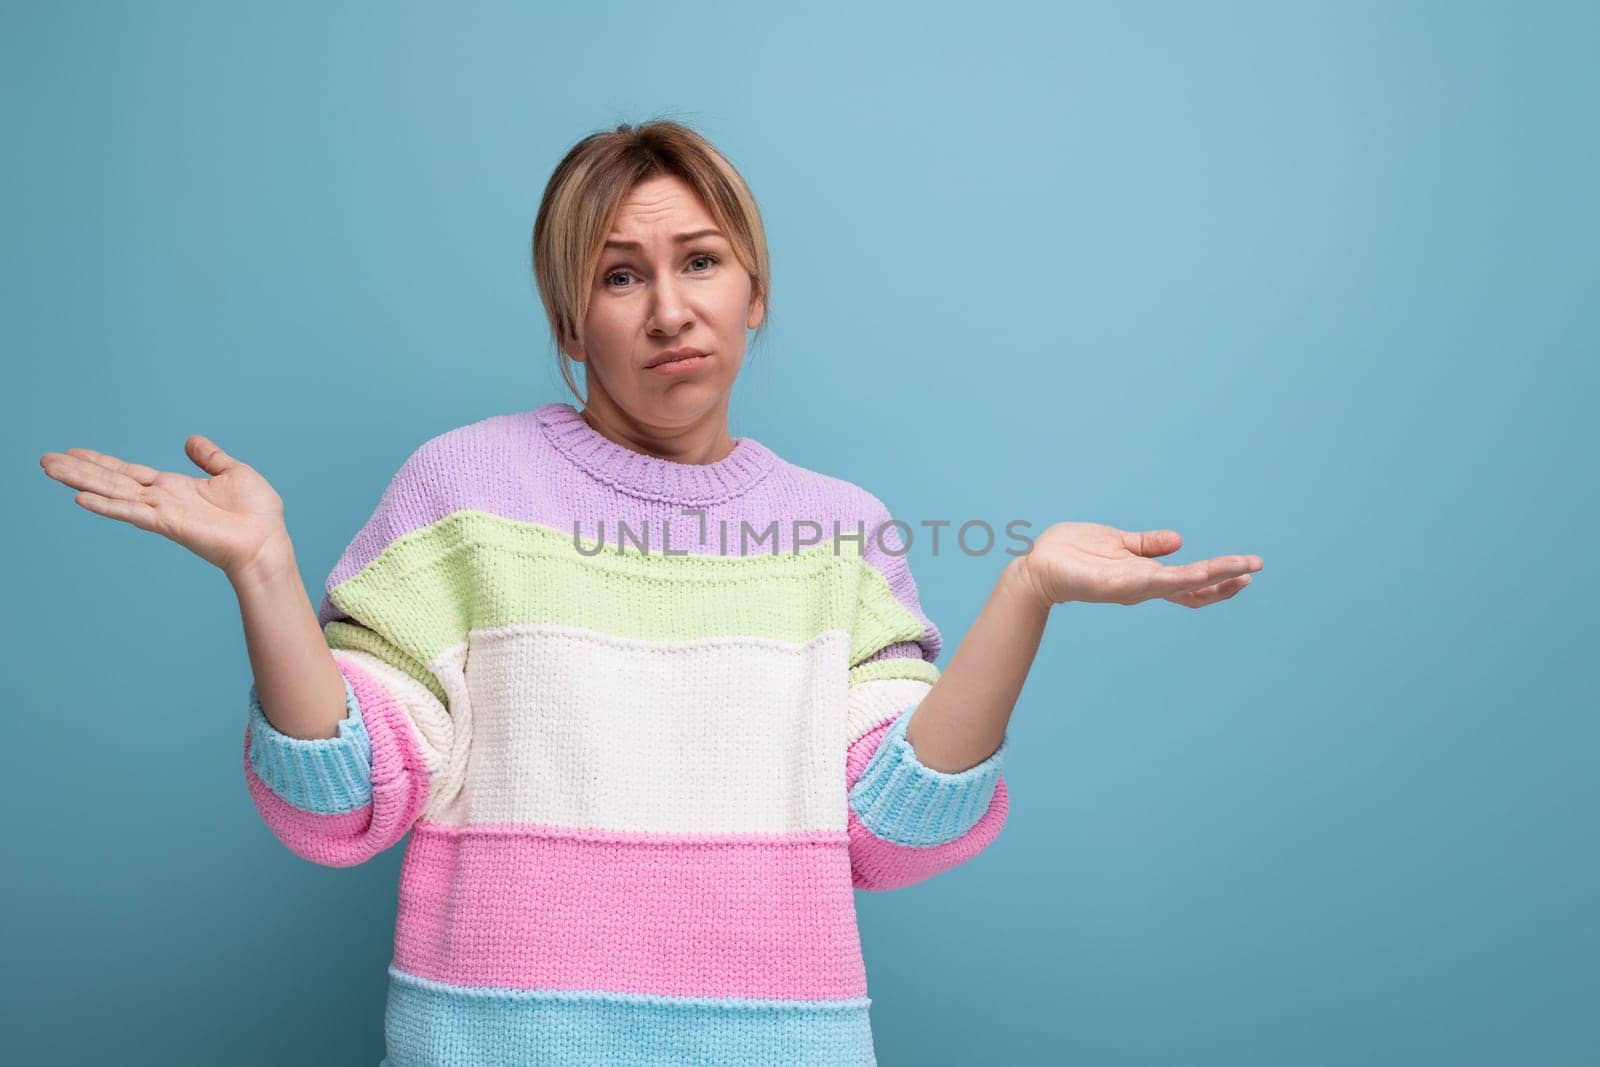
(677, 239)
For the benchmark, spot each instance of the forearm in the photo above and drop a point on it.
(963, 718)
(300, 686)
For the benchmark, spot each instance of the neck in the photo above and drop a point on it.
(705, 440)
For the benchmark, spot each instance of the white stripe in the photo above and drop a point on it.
(575, 728)
(881, 700)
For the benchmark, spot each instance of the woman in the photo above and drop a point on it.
(641, 774)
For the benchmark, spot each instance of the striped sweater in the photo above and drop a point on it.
(645, 722)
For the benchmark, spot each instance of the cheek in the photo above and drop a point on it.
(733, 306)
(605, 323)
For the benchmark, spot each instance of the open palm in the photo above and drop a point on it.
(229, 518)
(1086, 561)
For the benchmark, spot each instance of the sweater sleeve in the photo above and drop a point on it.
(391, 618)
(907, 821)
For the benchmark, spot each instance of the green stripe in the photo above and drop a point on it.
(347, 636)
(881, 620)
(919, 670)
(471, 570)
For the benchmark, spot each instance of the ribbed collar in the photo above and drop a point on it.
(652, 477)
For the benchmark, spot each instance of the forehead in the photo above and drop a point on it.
(659, 202)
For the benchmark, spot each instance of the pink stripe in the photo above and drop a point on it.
(399, 788)
(876, 864)
(526, 907)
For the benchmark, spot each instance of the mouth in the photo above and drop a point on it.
(675, 359)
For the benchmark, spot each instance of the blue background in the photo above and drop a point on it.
(1312, 281)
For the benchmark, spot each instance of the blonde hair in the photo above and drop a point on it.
(582, 198)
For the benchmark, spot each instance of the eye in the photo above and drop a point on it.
(693, 259)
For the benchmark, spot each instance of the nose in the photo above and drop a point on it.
(669, 312)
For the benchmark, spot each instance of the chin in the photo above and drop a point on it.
(689, 399)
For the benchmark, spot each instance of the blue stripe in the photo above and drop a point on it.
(325, 775)
(902, 800)
(433, 1024)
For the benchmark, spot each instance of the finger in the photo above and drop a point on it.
(1152, 542)
(1223, 567)
(81, 473)
(206, 455)
(1192, 577)
(1211, 594)
(137, 471)
(129, 511)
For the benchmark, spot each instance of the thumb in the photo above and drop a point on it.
(1151, 543)
(206, 455)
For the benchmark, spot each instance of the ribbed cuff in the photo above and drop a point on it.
(325, 775)
(902, 800)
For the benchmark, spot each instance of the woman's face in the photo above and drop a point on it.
(653, 293)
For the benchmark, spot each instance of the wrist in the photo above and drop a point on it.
(269, 565)
(1021, 581)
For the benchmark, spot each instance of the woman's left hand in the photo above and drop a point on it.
(1104, 565)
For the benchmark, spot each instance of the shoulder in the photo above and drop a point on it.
(802, 493)
(446, 472)
(830, 495)
(458, 468)
(441, 466)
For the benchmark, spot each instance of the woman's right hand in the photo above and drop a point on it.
(232, 519)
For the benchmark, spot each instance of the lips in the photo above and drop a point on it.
(672, 355)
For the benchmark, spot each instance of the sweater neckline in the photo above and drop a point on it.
(652, 477)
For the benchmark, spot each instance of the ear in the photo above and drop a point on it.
(574, 350)
(758, 311)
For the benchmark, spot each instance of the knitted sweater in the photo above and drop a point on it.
(645, 722)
